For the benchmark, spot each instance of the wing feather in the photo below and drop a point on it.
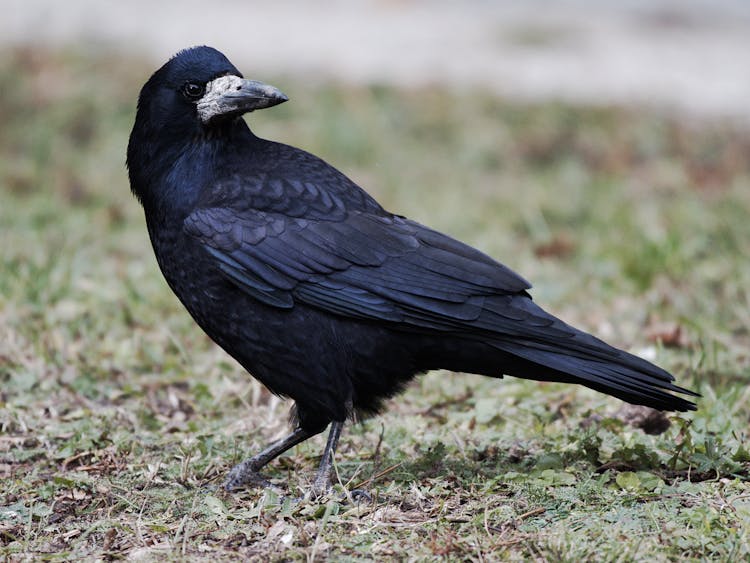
(365, 266)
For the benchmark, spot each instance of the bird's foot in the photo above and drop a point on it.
(360, 495)
(246, 473)
(322, 488)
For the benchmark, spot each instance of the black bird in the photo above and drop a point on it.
(319, 292)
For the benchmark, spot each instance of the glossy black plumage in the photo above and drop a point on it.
(319, 292)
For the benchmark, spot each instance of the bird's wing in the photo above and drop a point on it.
(363, 265)
(386, 268)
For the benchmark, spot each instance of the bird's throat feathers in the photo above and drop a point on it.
(169, 176)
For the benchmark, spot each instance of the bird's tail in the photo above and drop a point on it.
(582, 358)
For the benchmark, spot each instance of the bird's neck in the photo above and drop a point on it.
(176, 173)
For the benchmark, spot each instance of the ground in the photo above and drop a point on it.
(119, 418)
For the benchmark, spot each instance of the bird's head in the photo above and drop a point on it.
(202, 83)
(197, 94)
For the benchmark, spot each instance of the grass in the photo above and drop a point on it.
(119, 418)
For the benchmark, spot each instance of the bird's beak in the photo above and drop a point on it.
(229, 96)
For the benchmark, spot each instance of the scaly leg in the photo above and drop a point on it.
(248, 472)
(322, 483)
(323, 478)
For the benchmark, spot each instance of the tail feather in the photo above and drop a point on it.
(582, 358)
(653, 389)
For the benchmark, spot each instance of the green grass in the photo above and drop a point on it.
(119, 418)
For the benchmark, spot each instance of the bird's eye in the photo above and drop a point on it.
(192, 90)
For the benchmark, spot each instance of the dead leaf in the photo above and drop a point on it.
(559, 246)
(669, 335)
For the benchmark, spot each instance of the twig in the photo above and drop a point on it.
(531, 513)
(379, 475)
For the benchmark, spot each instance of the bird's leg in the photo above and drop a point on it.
(323, 478)
(248, 472)
(322, 482)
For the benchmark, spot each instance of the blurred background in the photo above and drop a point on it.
(688, 54)
(601, 149)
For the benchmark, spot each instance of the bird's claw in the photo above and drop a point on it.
(318, 491)
(360, 495)
(246, 473)
(320, 488)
